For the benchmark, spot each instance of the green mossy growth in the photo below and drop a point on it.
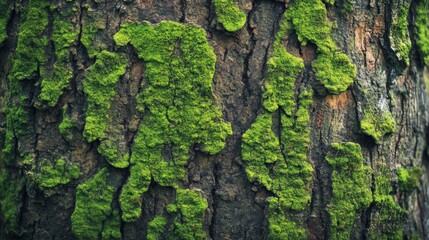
(399, 37)
(156, 228)
(280, 226)
(99, 86)
(110, 150)
(261, 147)
(386, 216)
(422, 29)
(351, 187)
(10, 197)
(66, 125)
(283, 69)
(5, 10)
(188, 211)
(333, 69)
(290, 174)
(179, 111)
(63, 36)
(112, 227)
(60, 173)
(229, 15)
(93, 206)
(408, 178)
(30, 51)
(377, 124)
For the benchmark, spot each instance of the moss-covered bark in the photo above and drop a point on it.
(223, 119)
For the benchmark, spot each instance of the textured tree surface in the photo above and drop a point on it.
(214, 119)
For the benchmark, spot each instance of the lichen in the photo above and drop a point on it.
(408, 178)
(178, 110)
(279, 163)
(99, 86)
(93, 206)
(351, 187)
(398, 34)
(333, 68)
(60, 173)
(422, 29)
(229, 15)
(377, 123)
(57, 79)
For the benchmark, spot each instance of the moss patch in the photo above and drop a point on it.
(351, 187)
(399, 36)
(99, 86)
(93, 206)
(408, 178)
(60, 173)
(188, 211)
(422, 29)
(386, 216)
(178, 107)
(30, 51)
(229, 15)
(377, 124)
(10, 198)
(335, 71)
(5, 10)
(333, 68)
(57, 79)
(112, 227)
(280, 164)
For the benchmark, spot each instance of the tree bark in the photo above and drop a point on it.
(192, 119)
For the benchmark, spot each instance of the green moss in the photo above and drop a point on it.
(188, 211)
(5, 10)
(30, 51)
(93, 206)
(377, 124)
(10, 198)
(66, 125)
(280, 164)
(111, 151)
(187, 214)
(408, 178)
(422, 29)
(60, 173)
(261, 147)
(179, 111)
(112, 227)
(156, 228)
(63, 36)
(386, 216)
(229, 15)
(333, 69)
(399, 36)
(351, 187)
(99, 86)
(280, 225)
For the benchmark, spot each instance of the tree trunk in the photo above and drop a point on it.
(217, 119)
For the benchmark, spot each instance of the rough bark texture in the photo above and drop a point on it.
(44, 139)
